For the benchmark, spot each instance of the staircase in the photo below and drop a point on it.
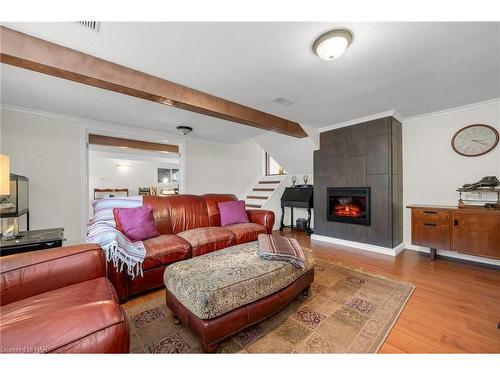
(262, 190)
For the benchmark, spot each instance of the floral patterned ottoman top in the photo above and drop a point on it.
(214, 284)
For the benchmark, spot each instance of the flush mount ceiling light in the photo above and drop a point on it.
(185, 129)
(123, 166)
(332, 44)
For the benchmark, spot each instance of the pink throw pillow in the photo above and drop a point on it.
(137, 223)
(232, 212)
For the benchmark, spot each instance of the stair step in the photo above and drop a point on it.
(269, 182)
(253, 205)
(256, 197)
(263, 189)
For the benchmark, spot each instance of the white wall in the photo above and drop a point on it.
(47, 150)
(221, 168)
(296, 156)
(432, 171)
(50, 149)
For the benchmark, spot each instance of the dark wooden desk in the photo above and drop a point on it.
(300, 196)
(32, 240)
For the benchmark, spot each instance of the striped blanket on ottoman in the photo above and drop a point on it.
(281, 249)
(118, 248)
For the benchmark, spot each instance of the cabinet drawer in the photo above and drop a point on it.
(432, 216)
(428, 234)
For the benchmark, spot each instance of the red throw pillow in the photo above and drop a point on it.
(232, 212)
(137, 223)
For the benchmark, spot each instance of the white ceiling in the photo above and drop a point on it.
(415, 68)
(27, 89)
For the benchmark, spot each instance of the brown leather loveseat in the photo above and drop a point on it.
(189, 226)
(60, 301)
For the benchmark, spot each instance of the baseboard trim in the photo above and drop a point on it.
(454, 255)
(360, 245)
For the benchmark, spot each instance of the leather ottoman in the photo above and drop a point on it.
(221, 293)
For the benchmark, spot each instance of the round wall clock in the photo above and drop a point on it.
(475, 140)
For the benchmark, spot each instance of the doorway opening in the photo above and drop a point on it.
(120, 167)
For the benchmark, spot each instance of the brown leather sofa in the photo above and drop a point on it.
(189, 225)
(60, 301)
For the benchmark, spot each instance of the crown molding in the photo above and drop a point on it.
(453, 110)
(392, 113)
(101, 126)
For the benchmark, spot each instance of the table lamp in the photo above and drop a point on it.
(6, 230)
(4, 175)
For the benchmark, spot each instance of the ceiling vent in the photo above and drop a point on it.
(283, 102)
(91, 25)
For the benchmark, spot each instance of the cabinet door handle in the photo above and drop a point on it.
(455, 222)
(430, 225)
(430, 212)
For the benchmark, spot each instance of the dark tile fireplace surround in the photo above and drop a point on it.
(358, 189)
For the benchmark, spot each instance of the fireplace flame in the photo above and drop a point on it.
(347, 209)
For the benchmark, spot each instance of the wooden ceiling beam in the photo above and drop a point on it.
(36, 54)
(104, 140)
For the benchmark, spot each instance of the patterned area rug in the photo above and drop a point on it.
(348, 311)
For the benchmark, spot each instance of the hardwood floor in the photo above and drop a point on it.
(455, 307)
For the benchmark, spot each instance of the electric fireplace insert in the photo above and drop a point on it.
(349, 205)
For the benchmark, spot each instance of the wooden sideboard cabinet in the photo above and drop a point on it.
(474, 231)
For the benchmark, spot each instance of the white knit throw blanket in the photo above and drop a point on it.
(117, 247)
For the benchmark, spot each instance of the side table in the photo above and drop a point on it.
(32, 240)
